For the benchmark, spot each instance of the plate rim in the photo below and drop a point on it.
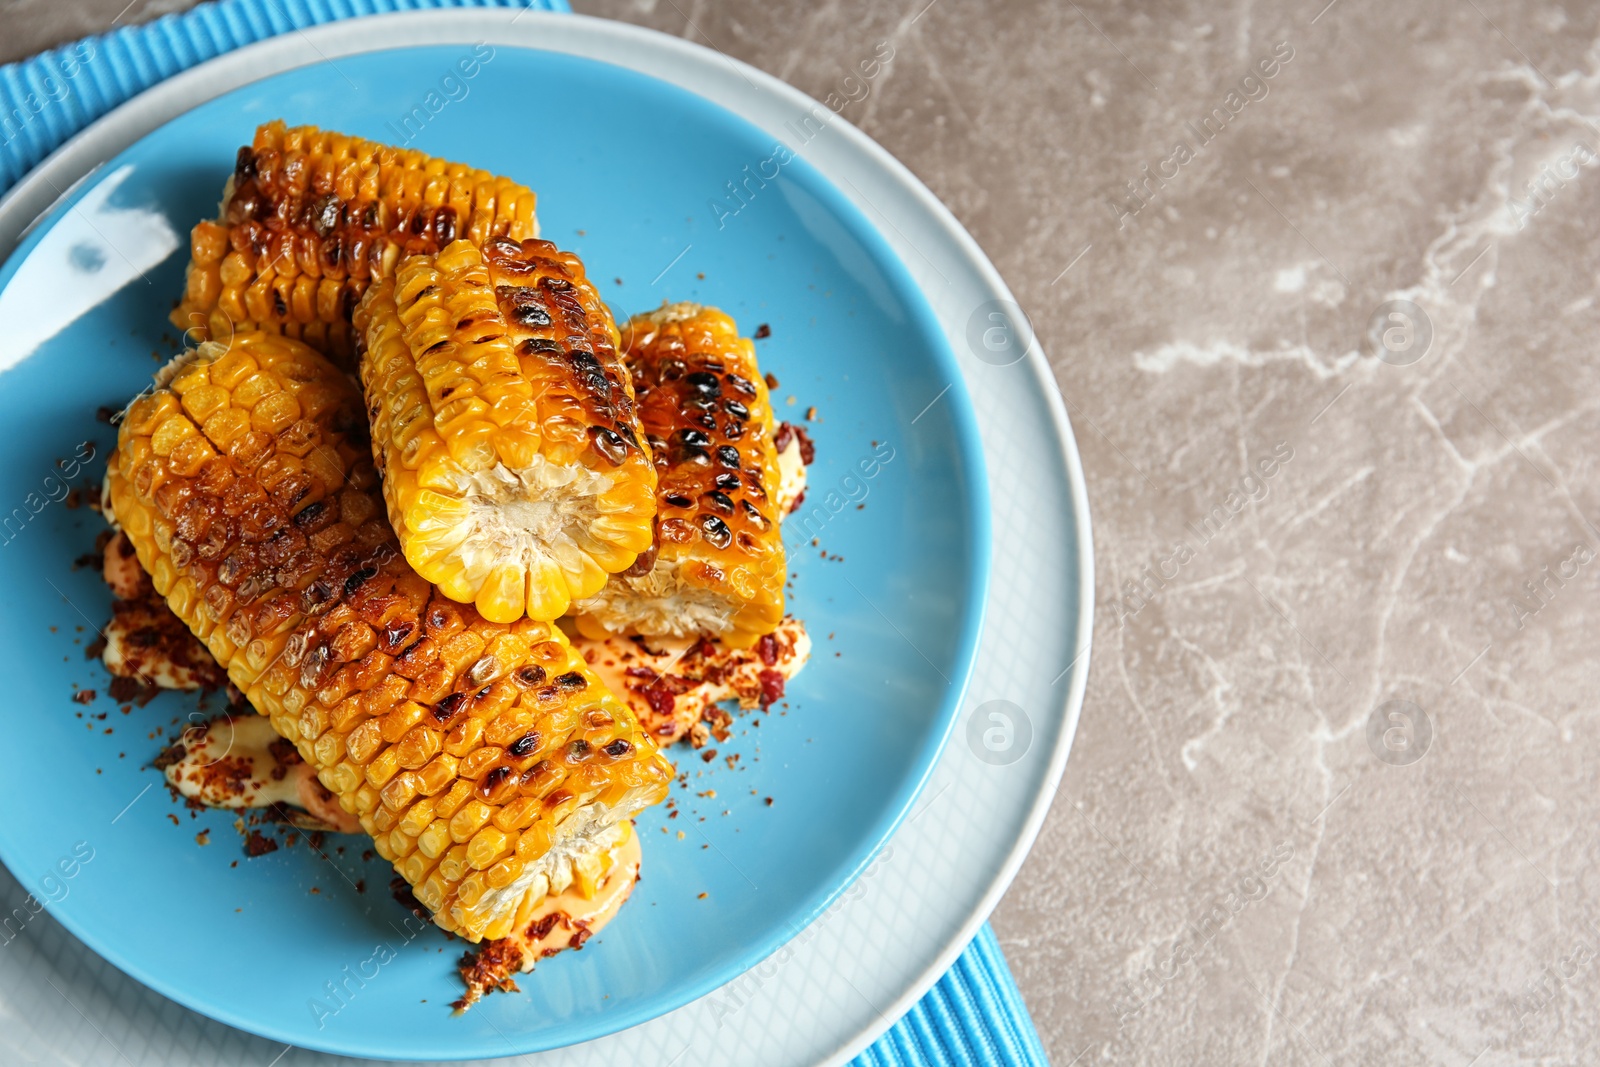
(966, 635)
(35, 194)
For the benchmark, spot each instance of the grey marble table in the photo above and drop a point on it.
(1317, 283)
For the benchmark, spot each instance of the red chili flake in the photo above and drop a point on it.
(709, 754)
(400, 889)
(808, 447)
(659, 697)
(769, 802)
(767, 649)
(762, 332)
(84, 696)
(258, 844)
(771, 687)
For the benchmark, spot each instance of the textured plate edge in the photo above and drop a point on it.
(38, 193)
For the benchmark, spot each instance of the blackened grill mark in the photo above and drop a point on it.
(449, 706)
(609, 444)
(309, 514)
(356, 580)
(522, 305)
(493, 780)
(704, 383)
(561, 299)
(324, 214)
(395, 632)
(538, 346)
(444, 226)
(716, 531)
(332, 251)
(572, 680)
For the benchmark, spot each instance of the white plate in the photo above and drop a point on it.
(848, 976)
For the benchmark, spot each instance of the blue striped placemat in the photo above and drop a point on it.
(974, 1015)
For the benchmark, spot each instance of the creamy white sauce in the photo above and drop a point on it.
(709, 677)
(231, 763)
(791, 476)
(567, 919)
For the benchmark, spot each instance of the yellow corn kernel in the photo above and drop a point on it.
(500, 368)
(717, 545)
(308, 643)
(307, 278)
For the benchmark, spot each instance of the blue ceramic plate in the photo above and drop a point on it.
(649, 184)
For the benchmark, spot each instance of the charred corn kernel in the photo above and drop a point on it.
(293, 562)
(311, 217)
(503, 422)
(717, 566)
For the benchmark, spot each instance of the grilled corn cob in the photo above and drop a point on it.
(717, 565)
(487, 762)
(503, 425)
(310, 217)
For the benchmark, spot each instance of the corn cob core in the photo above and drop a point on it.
(486, 761)
(310, 217)
(717, 566)
(503, 424)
